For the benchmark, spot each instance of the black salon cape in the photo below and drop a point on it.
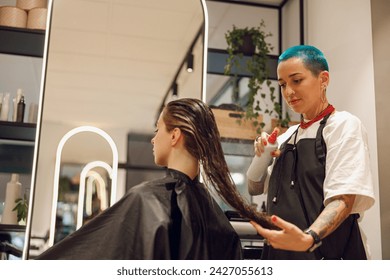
(169, 218)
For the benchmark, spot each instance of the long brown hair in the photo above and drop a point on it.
(202, 140)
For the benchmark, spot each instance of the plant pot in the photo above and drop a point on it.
(247, 48)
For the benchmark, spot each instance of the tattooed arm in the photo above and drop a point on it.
(337, 210)
(290, 237)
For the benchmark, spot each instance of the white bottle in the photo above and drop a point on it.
(33, 113)
(5, 108)
(13, 192)
(16, 100)
(260, 164)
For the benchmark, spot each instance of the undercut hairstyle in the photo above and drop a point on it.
(202, 140)
(312, 58)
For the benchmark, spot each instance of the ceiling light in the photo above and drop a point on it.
(175, 91)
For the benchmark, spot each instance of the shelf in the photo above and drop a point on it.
(216, 61)
(16, 158)
(17, 131)
(16, 147)
(22, 41)
(12, 228)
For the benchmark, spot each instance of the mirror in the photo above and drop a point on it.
(110, 65)
(222, 16)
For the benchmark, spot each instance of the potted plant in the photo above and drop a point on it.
(21, 208)
(238, 40)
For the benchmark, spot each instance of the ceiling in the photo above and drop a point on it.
(111, 62)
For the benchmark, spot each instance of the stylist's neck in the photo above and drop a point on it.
(315, 111)
(184, 162)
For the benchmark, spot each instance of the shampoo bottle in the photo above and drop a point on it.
(260, 163)
(12, 193)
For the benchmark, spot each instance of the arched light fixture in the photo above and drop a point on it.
(88, 172)
(114, 171)
(190, 63)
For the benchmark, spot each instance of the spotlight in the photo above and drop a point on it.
(190, 63)
(175, 92)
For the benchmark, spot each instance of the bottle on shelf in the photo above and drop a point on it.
(16, 100)
(5, 107)
(20, 110)
(32, 113)
(12, 193)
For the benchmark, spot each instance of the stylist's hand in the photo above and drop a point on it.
(289, 237)
(262, 141)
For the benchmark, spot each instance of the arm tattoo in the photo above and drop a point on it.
(337, 210)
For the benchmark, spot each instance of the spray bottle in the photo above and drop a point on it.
(260, 164)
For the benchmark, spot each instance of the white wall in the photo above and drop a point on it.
(342, 30)
(380, 10)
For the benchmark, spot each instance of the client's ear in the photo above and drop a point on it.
(176, 135)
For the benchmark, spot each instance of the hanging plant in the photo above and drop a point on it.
(256, 66)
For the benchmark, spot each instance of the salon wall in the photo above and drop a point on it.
(380, 10)
(342, 29)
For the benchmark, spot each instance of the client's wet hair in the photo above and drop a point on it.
(202, 140)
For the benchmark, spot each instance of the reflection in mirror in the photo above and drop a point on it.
(222, 17)
(110, 65)
(237, 139)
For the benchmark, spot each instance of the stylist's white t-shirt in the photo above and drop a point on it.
(347, 159)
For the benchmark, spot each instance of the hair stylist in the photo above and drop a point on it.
(320, 179)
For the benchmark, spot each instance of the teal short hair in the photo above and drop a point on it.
(312, 58)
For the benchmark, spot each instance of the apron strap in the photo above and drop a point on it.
(320, 145)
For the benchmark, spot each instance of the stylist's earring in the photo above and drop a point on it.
(323, 95)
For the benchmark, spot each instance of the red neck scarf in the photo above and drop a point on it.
(326, 111)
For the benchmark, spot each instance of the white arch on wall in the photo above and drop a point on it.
(114, 171)
(88, 172)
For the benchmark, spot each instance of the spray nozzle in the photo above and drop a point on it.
(273, 136)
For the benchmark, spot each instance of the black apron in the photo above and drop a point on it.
(295, 193)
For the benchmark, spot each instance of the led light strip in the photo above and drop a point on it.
(60, 147)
